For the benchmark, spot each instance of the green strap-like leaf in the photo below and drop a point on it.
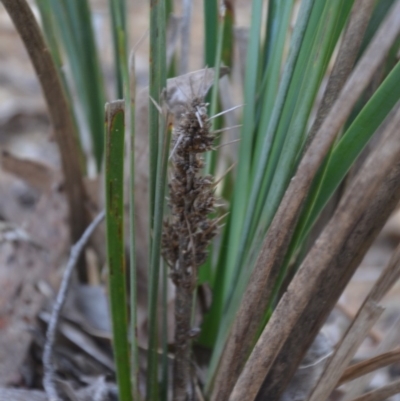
(114, 184)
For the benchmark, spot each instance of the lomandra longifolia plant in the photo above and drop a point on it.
(190, 229)
(260, 322)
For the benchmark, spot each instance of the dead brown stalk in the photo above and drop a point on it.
(263, 277)
(388, 342)
(35, 173)
(368, 366)
(382, 393)
(57, 105)
(358, 330)
(348, 51)
(366, 318)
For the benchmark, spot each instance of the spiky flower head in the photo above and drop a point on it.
(189, 230)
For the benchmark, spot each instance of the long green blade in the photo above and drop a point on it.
(306, 81)
(118, 19)
(157, 82)
(114, 184)
(74, 23)
(152, 357)
(241, 190)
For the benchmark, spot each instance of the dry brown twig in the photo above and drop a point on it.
(382, 393)
(76, 250)
(35, 173)
(279, 235)
(389, 341)
(368, 313)
(369, 365)
(57, 105)
(375, 335)
(366, 318)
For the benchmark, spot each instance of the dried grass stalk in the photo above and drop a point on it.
(389, 341)
(63, 126)
(382, 393)
(358, 330)
(366, 318)
(347, 55)
(369, 365)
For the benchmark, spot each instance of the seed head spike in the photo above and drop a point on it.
(215, 183)
(198, 117)
(226, 111)
(227, 143)
(226, 129)
(176, 145)
(156, 105)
